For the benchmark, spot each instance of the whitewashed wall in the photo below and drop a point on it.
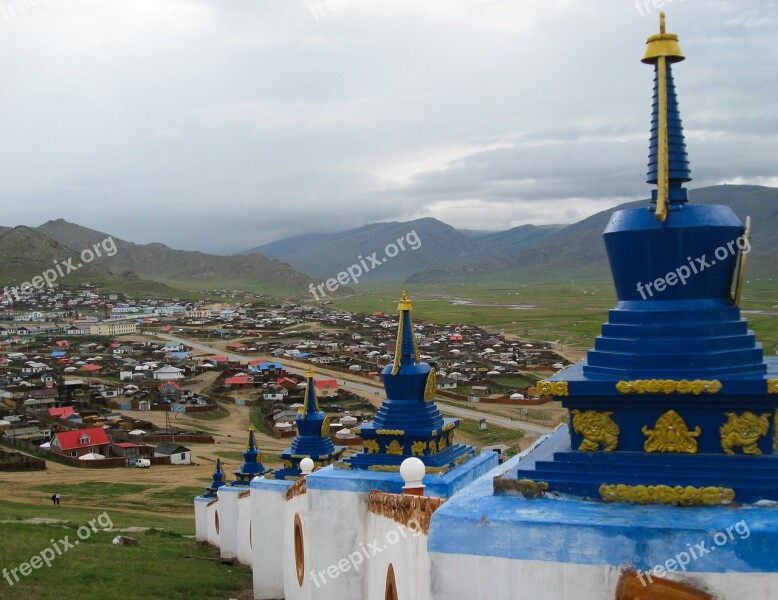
(490, 578)
(402, 547)
(201, 518)
(335, 529)
(212, 535)
(244, 529)
(228, 520)
(292, 588)
(267, 531)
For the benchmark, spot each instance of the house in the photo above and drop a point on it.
(169, 390)
(79, 442)
(446, 383)
(168, 373)
(327, 387)
(179, 455)
(287, 382)
(90, 369)
(61, 413)
(239, 380)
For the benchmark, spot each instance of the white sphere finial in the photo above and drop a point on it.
(306, 466)
(412, 470)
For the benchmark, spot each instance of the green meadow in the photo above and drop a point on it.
(566, 312)
(166, 563)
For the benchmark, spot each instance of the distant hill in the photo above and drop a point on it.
(325, 255)
(578, 250)
(513, 241)
(159, 262)
(27, 253)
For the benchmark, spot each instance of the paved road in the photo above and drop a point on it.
(372, 390)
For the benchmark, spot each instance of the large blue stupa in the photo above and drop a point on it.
(676, 403)
(409, 422)
(313, 438)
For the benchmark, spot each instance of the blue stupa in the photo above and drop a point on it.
(676, 403)
(252, 465)
(409, 422)
(313, 438)
(218, 480)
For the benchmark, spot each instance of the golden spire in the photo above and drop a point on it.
(661, 48)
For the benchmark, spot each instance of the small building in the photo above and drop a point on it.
(131, 452)
(179, 455)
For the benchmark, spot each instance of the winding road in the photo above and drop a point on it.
(373, 391)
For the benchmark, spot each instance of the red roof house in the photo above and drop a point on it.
(239, 380)
(287, 382)
(81, 441)
(328, 387)
(62, 413)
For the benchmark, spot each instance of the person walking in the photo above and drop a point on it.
(56, 498)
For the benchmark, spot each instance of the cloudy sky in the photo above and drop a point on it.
(222, 124)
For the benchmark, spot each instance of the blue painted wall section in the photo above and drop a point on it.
(569, 530)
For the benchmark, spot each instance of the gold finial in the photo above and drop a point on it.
(251, 427)
(404, 304)
(662, 44)
(309, 374)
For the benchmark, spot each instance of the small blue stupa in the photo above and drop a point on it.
(676, 403)
(218, 480)
(252, 465)
(409, 422)
(313, 437)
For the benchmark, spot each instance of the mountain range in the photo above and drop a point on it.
(524, 252)
(428, 243)
(420, 251)
(578, 250)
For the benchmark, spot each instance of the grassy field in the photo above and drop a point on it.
(569, 313)
(90, 567)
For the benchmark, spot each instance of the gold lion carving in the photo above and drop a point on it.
(744, 431)
(597, 429)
